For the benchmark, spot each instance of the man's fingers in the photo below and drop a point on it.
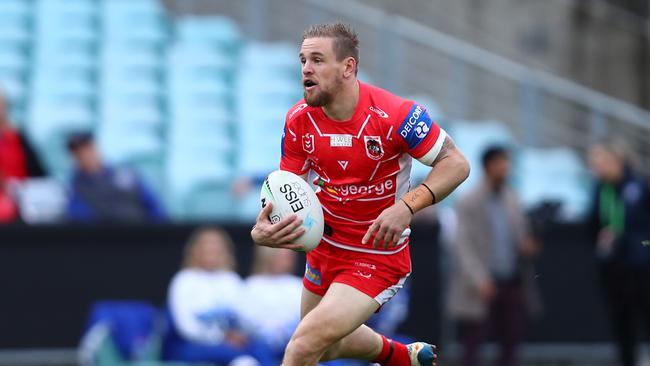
(396, 237)
(389, 239)
(286, 221)
(380, 235)
(293, 225)
(369, 233)
(265, 212)
(294, 235)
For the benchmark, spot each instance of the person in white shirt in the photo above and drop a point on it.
(205, 298)
(275, 313)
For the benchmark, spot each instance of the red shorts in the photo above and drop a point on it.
(376, 275)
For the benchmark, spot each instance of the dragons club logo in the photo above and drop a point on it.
(374, 150)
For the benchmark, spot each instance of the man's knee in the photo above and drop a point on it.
(333, 351)
(311, 343)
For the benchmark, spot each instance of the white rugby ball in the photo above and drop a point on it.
(289, 194)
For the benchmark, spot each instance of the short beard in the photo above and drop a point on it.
(320, 99)
(324, 97)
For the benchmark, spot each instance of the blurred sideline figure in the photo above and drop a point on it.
(17, 162)
(275, 310)
(620, 225)
(204, 302)
(102, 193)
(490, 281)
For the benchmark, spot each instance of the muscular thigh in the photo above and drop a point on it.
(342, 310)
(308, 302)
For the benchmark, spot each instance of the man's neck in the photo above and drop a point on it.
(344, 103)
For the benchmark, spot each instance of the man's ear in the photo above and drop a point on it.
(350, 67)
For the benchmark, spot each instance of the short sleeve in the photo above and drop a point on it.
(294, 158)
(421, 137)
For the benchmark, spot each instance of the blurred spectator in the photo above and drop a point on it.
(275, 312)
(620, 225)
(17, 159)
(8, 208)
(205, 299)
(104, 193)
(492, 274)
(17, 162)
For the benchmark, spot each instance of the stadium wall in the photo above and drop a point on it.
(51, 275)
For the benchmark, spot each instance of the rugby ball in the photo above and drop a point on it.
(290, 194)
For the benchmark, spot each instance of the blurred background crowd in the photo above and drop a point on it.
(126, 125)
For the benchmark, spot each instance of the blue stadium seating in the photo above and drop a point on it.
(553, 175)
(219, 31)
(188, 101)
(473, 138)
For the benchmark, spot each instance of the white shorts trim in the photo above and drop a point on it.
(388, 293)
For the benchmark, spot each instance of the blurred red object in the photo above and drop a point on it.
(13, 164)
(8, 208)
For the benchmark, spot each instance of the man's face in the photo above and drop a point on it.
(604, 165)
(87, 158)
(322, 74)
(498, 170)
(211, 252)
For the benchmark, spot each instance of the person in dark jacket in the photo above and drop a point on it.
(620, 225)
(103, 193)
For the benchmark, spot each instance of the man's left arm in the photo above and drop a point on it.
(449, 169)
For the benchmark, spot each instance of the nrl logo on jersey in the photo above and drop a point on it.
(374, 150)
(308, 143)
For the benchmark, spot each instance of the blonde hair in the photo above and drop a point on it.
(346, 40)
(195, 239)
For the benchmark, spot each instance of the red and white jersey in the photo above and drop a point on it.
(362, 165)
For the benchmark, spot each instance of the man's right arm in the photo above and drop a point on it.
(283, 233)
(279, 235)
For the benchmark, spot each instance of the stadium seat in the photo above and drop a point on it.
(74, 87)
(12, 85)
(553, 175)
(121, 55)
(16, 8)
(49, 121)
(199, 183)
(431, 105)
(219, 31)
(200, 58)
(14, 31)
(473, 138)
(279, 55)
(119, 332)
(71, 21)
(186, 106)
(135, 21)
(80, 8)
(133, 6)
